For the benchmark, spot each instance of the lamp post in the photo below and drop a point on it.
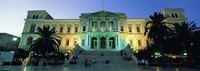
(14, 39)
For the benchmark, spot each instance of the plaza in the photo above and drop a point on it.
(100, 67)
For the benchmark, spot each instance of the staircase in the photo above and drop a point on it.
(114, 56)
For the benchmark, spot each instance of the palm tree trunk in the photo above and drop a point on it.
(190, 57)
(163, 55)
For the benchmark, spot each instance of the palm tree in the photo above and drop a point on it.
(46, 43)
(157, 31)
(185, 33)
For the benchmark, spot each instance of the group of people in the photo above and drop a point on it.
(89, 61)
(125, 56)
(74, 60)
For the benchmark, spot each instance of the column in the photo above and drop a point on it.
(86, 46)
(98, 25)
(107, 25)
(116, 25)
(65, 28)
(98, 42)
(115, 41)
(107, 42)
(73, 28)
(57, 29)
(88, 25)
(119, 46)
(89, 47)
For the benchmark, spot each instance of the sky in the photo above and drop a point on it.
(13, 12)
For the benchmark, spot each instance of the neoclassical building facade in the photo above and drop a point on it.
(98, 30)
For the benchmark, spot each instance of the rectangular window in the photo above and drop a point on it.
(68, 29)
(32, 28)
(76, 29)
(139, 42)
(130, 29)
(84, 28)
(67, 42)
(61, 29)
(83, 42)
(122, 28)
(75, 43)
(131, 42)
(138, 29)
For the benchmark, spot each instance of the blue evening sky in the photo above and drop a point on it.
(13, 12)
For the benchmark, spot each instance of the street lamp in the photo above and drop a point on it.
(157, 54)
(14, 39)
(185, 53)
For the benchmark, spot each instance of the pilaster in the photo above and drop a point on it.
(107, 25)
(98, 42)
(115, 41)
(107, 42)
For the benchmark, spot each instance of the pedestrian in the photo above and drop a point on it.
(93, 60)
(86, 62)
(143, 63)
(107, 61)
(121, 52)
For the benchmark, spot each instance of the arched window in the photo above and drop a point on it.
(36, 17)
(111, 26)
(103, 26)
(94, 26)
(29, 40)
(172, 15)
(32, 28)
(33, 16)
(176, 15)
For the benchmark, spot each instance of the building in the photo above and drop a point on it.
(98, 30)
(8, 41)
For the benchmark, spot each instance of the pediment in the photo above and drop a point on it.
(103, 13)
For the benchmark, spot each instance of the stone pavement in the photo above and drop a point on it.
(92, 68)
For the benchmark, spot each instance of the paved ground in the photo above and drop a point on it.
(92, 68)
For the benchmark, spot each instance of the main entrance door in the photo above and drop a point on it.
(103, 43)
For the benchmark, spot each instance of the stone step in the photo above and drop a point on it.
(113, 56)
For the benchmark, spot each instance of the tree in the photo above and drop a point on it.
(157, 31)
(46, 43)
(185, 34)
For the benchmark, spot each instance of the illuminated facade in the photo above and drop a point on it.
(98, 30)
